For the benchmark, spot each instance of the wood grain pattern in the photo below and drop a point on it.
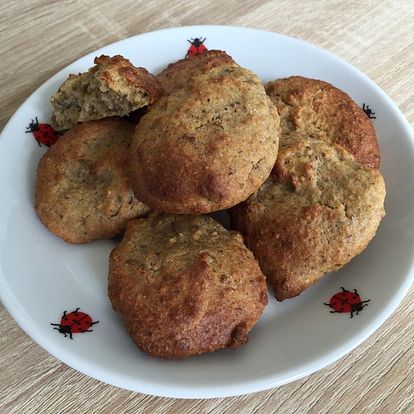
(41, 37)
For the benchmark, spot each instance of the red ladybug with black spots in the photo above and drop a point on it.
(196, 47)
(347, 302)
(74, 322)
(44, 134)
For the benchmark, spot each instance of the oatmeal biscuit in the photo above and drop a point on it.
(112, 87)
(318, 210)
(83, 191)
(209, 142)
(184, 285)
(176, 75)
(319, 110)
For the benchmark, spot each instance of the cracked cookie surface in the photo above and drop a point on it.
(319, 110)
(209, 142)
(324, 200)
(318, 210)
(184, 285)
(83, 190)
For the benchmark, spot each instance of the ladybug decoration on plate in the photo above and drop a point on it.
(196, 46)
(74, 322)
(347, 302)
(369, 112)
(44, 134)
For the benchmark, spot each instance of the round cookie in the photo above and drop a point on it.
(83, 191)
(318, 210)
(317, 109)
(184, 285)
(176, 75)
(207, 144)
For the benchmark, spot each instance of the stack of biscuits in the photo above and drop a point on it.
(148, 157)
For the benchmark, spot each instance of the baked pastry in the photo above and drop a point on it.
(83, 191)
(209, 142)
(177, 75)
(184, 285)
(112, 87)
(318, 210)
(323, 202)
(319, 110)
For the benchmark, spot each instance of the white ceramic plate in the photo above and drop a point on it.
(41, 276)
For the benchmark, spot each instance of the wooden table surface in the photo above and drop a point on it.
(38, 38)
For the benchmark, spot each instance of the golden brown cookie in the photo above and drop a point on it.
(207, 144)
(184, 285)
(176, 75)
(318, 210)
(317, 109)
(83, 191)
(112, 87)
